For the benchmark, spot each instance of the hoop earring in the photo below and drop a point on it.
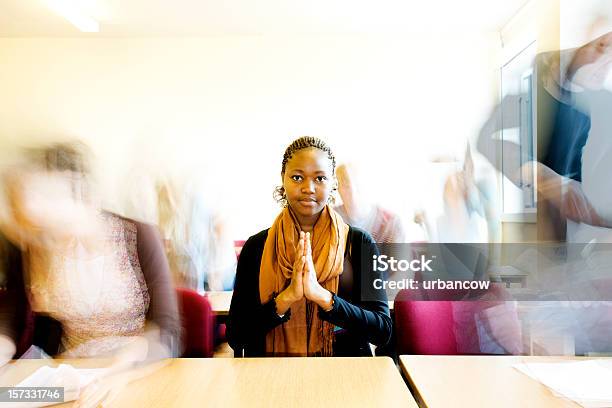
(280, 196)
(331, 200)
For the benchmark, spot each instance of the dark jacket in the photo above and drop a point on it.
(360, 312)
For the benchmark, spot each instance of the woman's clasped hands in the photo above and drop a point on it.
(304, 283)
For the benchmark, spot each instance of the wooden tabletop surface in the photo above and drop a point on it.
(260, 382)
(479, 381)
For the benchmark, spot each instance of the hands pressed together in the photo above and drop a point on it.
(567, 195)
(304, 282)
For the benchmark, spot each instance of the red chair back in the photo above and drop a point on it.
(424, 327)
(198, 323)
(444, 327)
(238, 247)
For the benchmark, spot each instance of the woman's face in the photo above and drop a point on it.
(308, 181)
(43, 201)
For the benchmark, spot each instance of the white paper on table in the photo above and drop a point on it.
(585, 382)
(73, 380)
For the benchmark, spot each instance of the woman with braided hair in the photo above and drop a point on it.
(301, 287)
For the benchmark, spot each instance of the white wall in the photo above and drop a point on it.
(224, 108)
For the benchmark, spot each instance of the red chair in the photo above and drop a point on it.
(198, 322)
(444, 327)
(423, 327)
(238, 247)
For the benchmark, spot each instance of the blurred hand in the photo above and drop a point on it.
(101, 392)
(576, 206)
(590, 53)
(7, 350)
(568, 196)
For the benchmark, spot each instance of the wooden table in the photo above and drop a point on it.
(478, 381)
(265, 382)
(220, 302)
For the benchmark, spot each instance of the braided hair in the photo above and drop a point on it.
(301, 143)
(305, 142)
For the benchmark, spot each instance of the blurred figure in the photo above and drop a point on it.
(465, 217)
(571, 172)
(140, 196)
(575, 155)
(358, 210)
(98, 284)
(223, 262)
(199, 249)
(573, 176)
(172, 223)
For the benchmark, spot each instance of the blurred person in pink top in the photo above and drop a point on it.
(357, 209)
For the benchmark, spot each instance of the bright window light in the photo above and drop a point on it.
(72, 11)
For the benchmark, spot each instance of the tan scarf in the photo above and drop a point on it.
(304, 334)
